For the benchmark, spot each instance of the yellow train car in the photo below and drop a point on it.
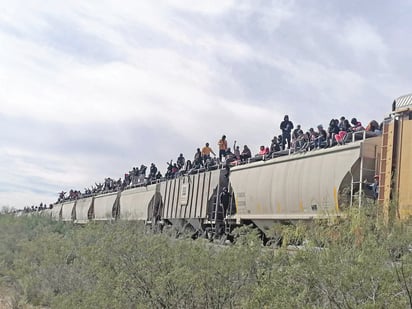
(395, 192)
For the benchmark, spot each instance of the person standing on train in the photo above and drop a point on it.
(206, 151)
(222, 147)
(286, 126)
(224, 201)
(197, 161)
(236, 151)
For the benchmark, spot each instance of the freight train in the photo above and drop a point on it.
(289, 186)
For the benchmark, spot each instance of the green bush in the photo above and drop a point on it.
(357, 262)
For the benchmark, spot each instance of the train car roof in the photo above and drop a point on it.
(302, 155)
(402, 102)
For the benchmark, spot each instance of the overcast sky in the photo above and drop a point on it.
(89, 89)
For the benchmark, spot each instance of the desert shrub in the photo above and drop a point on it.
(132, 269)
(355, 262)
(353, 268)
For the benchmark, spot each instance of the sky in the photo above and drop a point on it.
(90, 89)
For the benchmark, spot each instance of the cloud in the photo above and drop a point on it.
(268, 15)
(364, 40)
(212, 7)
(90, 89)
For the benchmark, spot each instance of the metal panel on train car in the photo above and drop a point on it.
(294, 187)
(170, 192)
(56, 211)
(199, 193)
(188, 196)
(194, 183)
(210, 190)
(405, 167)
(67, 210)
(46, 213)
(182, 197)
(134, 202)
(82, 209)
(170, 197)
(163, 191)
(103, 206)
(208, 186)
(175, 201)
(191, 205)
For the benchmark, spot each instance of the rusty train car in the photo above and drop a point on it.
(301, 185)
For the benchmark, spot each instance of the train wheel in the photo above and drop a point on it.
(186, 230)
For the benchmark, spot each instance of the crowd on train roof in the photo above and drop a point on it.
(33, 208)
(291, 140)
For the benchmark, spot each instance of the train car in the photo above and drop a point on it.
(395, 171)
(190, 201)
(304, 185)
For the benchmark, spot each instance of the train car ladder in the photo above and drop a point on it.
(216, 222)
(213, 217)
(228, 220)
(385, 169)
(357, 183)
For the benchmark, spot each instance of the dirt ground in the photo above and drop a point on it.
(6, 299)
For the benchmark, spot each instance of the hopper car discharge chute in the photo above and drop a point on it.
(83, 210)
(67, 212)
(134, 203)
(105, 206)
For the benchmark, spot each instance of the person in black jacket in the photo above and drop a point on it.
(286, 126)
(224, 200)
